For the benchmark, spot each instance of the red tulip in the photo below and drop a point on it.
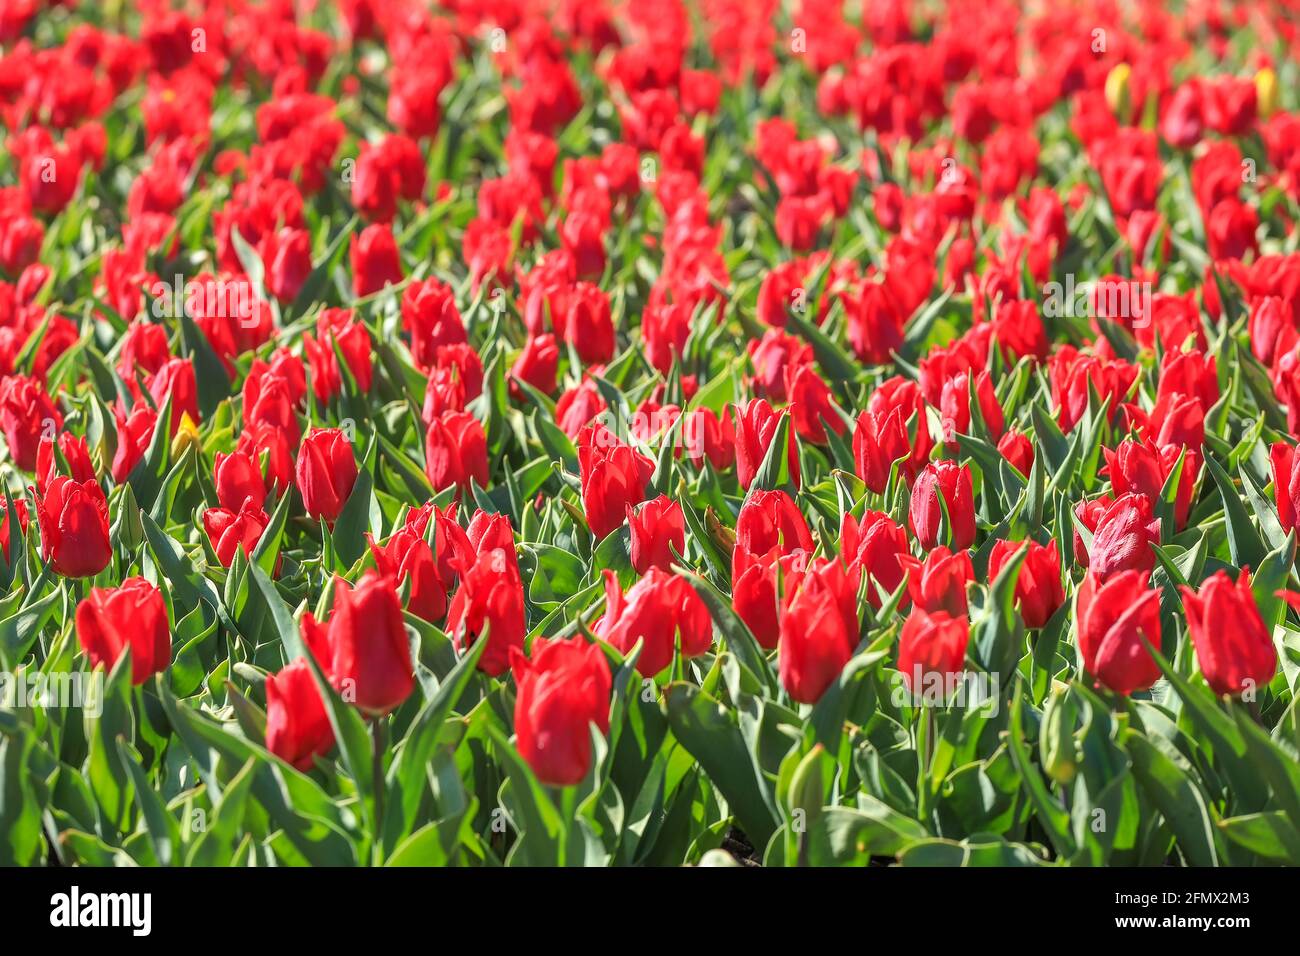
(771, 519)
(491, 595)
(230, 530)
(430, 316)
(375, 260)
(893, 428)
(811, 408)
(819, 630)
(1286, 483)
(952, 482)
(614, 477)
(134, 433)
(175, 381)
(932, 649)
(1233, 645)
(939, 583)
(26, 414)
(1039, 591)
(1125, 532)
(562, 690)
(73, 516)
(537, 365)
(75, 455)
(877, 547)
(455, 451)
(325, 473)
(238, 477)
(954, 406)
(407, 557)
(658, 527)
(1018, 450)
(756, 425)
(707, 434)
(655, 610)
(297, 725)
(757, 581)
(133, 615)
(286, 255)
(20, 509)
(363, 647)
(1113, 617)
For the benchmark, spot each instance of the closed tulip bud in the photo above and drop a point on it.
(1039, 591)
(1123, 538)
(876, 547)
(1057, 748)
(757, 581)
(175, 382)
(1233, 645)
(939, 583)
(297, 725)
(26, 415)
(1113, 618)
(430, 316)
(877, 444)
(406, 558)
(952, 483)
(756, 425)
(1018, 450)
(954, 406)
(20, 510)
(456, 451)
(375, 260)
(658, 528)
(325, 473)
(614, 477)
(230, 530)
(1286, 483)
(771, 519)
(363, 647)
(562, 690)
(811, 405)
(656, 611)
(75, 460)
(819, 630)
(932, 649)
(238, 477)
(134, 433)
(710, 435)
(73, 516)
(133, 615)
(538, 365)
(491, 596)
(286, 255)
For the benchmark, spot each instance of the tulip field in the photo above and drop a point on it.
(649, 433)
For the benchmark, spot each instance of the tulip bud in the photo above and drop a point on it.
(656, 611)
(932, 650)
(1233, 645)
(363, 648)
(614, 477)
(73, 516)
(658, 528)
(819, 630)
(1038, 584)
(491, 596)
(952, 483)
(325, 473)
(133, 615)
(1057, 749)
(1112, 619)
(297, 725)
(562, 690)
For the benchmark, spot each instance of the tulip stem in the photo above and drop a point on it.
(377, 776)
